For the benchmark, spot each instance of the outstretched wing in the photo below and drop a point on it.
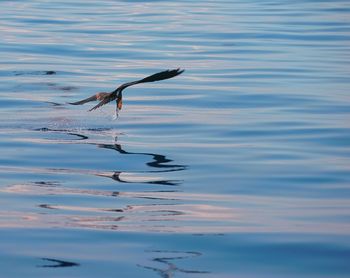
(92, 98)
(107, 99)
(161, 76)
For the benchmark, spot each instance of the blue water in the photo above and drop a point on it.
(239, 167)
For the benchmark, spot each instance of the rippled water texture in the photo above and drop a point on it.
(239, 167)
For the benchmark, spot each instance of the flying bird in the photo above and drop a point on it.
(117, 94)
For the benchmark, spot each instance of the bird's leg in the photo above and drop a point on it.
(119, 104)
(120, 101)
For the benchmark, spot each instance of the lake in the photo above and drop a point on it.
(238, 167)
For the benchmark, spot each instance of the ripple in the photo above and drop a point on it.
(239, 164)
(180, 212)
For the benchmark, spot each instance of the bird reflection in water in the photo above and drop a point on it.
(159, 214)
(159, 161)
(168, 258)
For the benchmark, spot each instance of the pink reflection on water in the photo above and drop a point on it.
(177, 212)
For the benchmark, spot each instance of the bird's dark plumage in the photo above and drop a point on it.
(105, 98)
(161, 76)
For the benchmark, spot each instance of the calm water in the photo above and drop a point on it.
(240, 167)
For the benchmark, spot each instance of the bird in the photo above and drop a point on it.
(117, 94)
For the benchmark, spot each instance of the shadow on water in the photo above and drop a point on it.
(57, 263)
(80, 136)
(167, 258)
(38, 72)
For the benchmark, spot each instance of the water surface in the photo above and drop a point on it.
(239, 167)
